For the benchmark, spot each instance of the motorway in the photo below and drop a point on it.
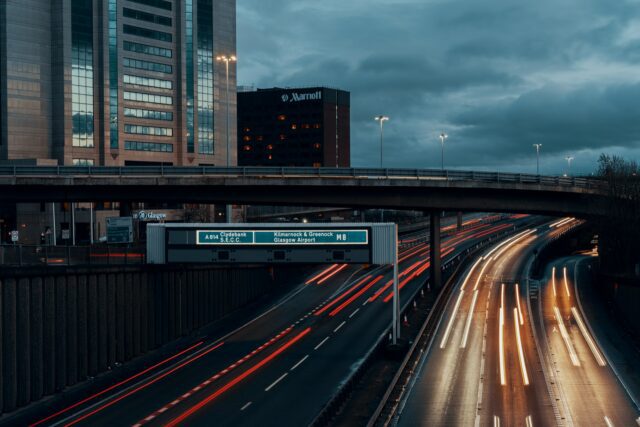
(489, 362)
(281, 367)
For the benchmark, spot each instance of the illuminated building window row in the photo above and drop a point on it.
(148, 114)
(148, 65)
(146, 49)
(148, 146)
(148, 130)
(148, 97)
(83, 162)
(148, 82)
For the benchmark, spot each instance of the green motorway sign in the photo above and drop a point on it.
(303, 237)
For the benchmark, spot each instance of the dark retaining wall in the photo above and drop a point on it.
(59, 327)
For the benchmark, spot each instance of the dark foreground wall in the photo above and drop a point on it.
(59, 327)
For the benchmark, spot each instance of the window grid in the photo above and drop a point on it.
(157, 147)
(148, 130)
(148, 97)
(205, 77)
(148, 82)
(144, 32)
(146, 17)
(148, 66)
(160, 4)
(113, 74)
(82, 74)
(146, 49)
(190, 76)
(148, 114)
(83, 162)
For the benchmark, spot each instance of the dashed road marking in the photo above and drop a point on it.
(340, 326)
(321, 343)
(299, 363)
(354, 313)
(273, 384)
(246, 405)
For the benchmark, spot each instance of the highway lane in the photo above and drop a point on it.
(589, 386)
(482, 367)
(280, 367)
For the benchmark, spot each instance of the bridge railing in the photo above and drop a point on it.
(295, 172)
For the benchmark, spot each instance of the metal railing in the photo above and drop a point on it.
(298, 172)
(34, 255)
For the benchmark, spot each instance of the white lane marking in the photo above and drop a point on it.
(354, 313)
(587, 337)
(467, 327)
(503, 378)
(638, 421)
(518, 301)
(523, 366)
(273, 384)
(321, 342)
(150, 417)
(608, 421)
(496, 421)
(566, 283)
(365, 302)
(246, 405)
(553, 281)
(163, 410)
(565, 336)
(447, 331)
(528, 421)
(340, 326)
(300, 362)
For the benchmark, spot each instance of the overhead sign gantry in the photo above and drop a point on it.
(363, 243)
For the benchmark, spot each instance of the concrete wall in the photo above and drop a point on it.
(58, 328)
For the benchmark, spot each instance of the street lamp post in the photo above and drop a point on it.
(443, 137)
(381, 119)
(537, 158)
(569, 159)
(227, 60)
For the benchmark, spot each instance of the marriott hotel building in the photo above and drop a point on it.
(116, 82)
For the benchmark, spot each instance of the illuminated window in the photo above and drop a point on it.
(246, 138)
(316, 126)
(270, 157)
(306, 126)
(247, 148)
(282, 137)
(282, 117)
(294, 126)
(317, 146)
(260, 138)
(317, 165)
(247, 129)
(269, 147)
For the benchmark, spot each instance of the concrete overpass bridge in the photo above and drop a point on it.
(335, 187)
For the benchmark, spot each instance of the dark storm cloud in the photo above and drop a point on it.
(497, 75)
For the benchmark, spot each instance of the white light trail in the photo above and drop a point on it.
(503, 379)
(484, 267)
(587, 338)
(565, 336)
(566, 283)
(467, 327)
(447, 331)
(553, 281)
(519, 307)
(464, 284)
(523, 366)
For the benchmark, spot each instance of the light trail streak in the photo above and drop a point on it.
(566, 283)
(565, 336)
(447, 331)
(587, 338)
(518, 302)
(553, 281)
(467, 327)
(523, 366)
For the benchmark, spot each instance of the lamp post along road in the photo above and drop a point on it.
(381, 119)
(443, 137)
(537, 158)
(569, 159)
(227, 60)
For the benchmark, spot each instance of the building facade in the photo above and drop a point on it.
(116, 82)
(113, 83)
(294, 127)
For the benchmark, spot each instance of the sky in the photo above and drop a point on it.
(496, 75)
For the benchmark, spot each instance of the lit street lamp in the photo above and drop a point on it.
(569, 159)
(537, 158)
(227, 60)
(443, 137)
(381, 119)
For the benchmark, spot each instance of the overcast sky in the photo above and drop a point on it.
(496, 75)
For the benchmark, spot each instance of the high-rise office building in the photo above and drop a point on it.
(294, 127)
(116, 82)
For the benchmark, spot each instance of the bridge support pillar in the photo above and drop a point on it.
(459, 221)
(436, 261)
